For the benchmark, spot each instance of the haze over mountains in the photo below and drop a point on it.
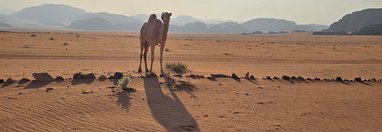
(68, 17)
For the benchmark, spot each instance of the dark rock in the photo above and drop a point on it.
(118, 75)
(1, 81)
(102, 78)
(48, 89)
(43, 77)
(276, 78)
(111, 77)
(247, 76)
(268, 78)
(358, 79)
(234, 76)
(309, 79)
(177, 75)
(346, 80)
(24, 80)
(219, 76)
(84, 76)
(293, 78)
(10, 80)
(59, 79)
(317, 79)
(285, 77)
(339, 79)
(252, 77)
(374, 79)
(300, 78)
(194, 76)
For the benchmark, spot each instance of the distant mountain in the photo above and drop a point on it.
(7, 11)
(2, 24)
(93, 23)
(50, 14)
(195, 27)
(318, 27)
(228, 28)
(269, 24)
(64, 16)
(182, 20)
(370, 30)
(357, 20)
(122, 21)
(141, 17)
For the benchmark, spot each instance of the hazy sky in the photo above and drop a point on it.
(301, 11)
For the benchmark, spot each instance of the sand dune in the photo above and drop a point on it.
(223, 104)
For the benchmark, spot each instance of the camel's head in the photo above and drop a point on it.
(166, 16)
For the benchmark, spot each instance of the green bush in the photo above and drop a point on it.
(177, 67)
(124, 81)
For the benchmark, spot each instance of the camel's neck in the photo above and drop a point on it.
(165, 26)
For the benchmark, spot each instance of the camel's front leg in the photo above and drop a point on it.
(140, 58)
(161, 57)
(152, 57)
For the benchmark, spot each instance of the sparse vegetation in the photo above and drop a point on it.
(177, 67)
(124, 82)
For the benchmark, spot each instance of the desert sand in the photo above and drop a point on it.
(221, 104)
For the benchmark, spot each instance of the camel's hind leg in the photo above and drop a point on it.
(161, 57)
(152, 57)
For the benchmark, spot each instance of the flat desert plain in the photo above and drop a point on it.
(192, 104)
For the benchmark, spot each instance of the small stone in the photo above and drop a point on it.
(234, 76)
(247, 75)
(293, 78)
(59, 79)
(48, 89)
(1, 81)
(339, 79)
(118, 75)
(358, 79)
(84, 76)
(285, 77)
(102, 78)
(268, 78)
(219, 76)
(177, 75)
(300, 78)
(9, 81)
(43, 77)
(252, 77)
(24, 80)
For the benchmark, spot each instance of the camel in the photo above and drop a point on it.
(154, 32)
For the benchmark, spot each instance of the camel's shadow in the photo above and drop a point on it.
(167, 111)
